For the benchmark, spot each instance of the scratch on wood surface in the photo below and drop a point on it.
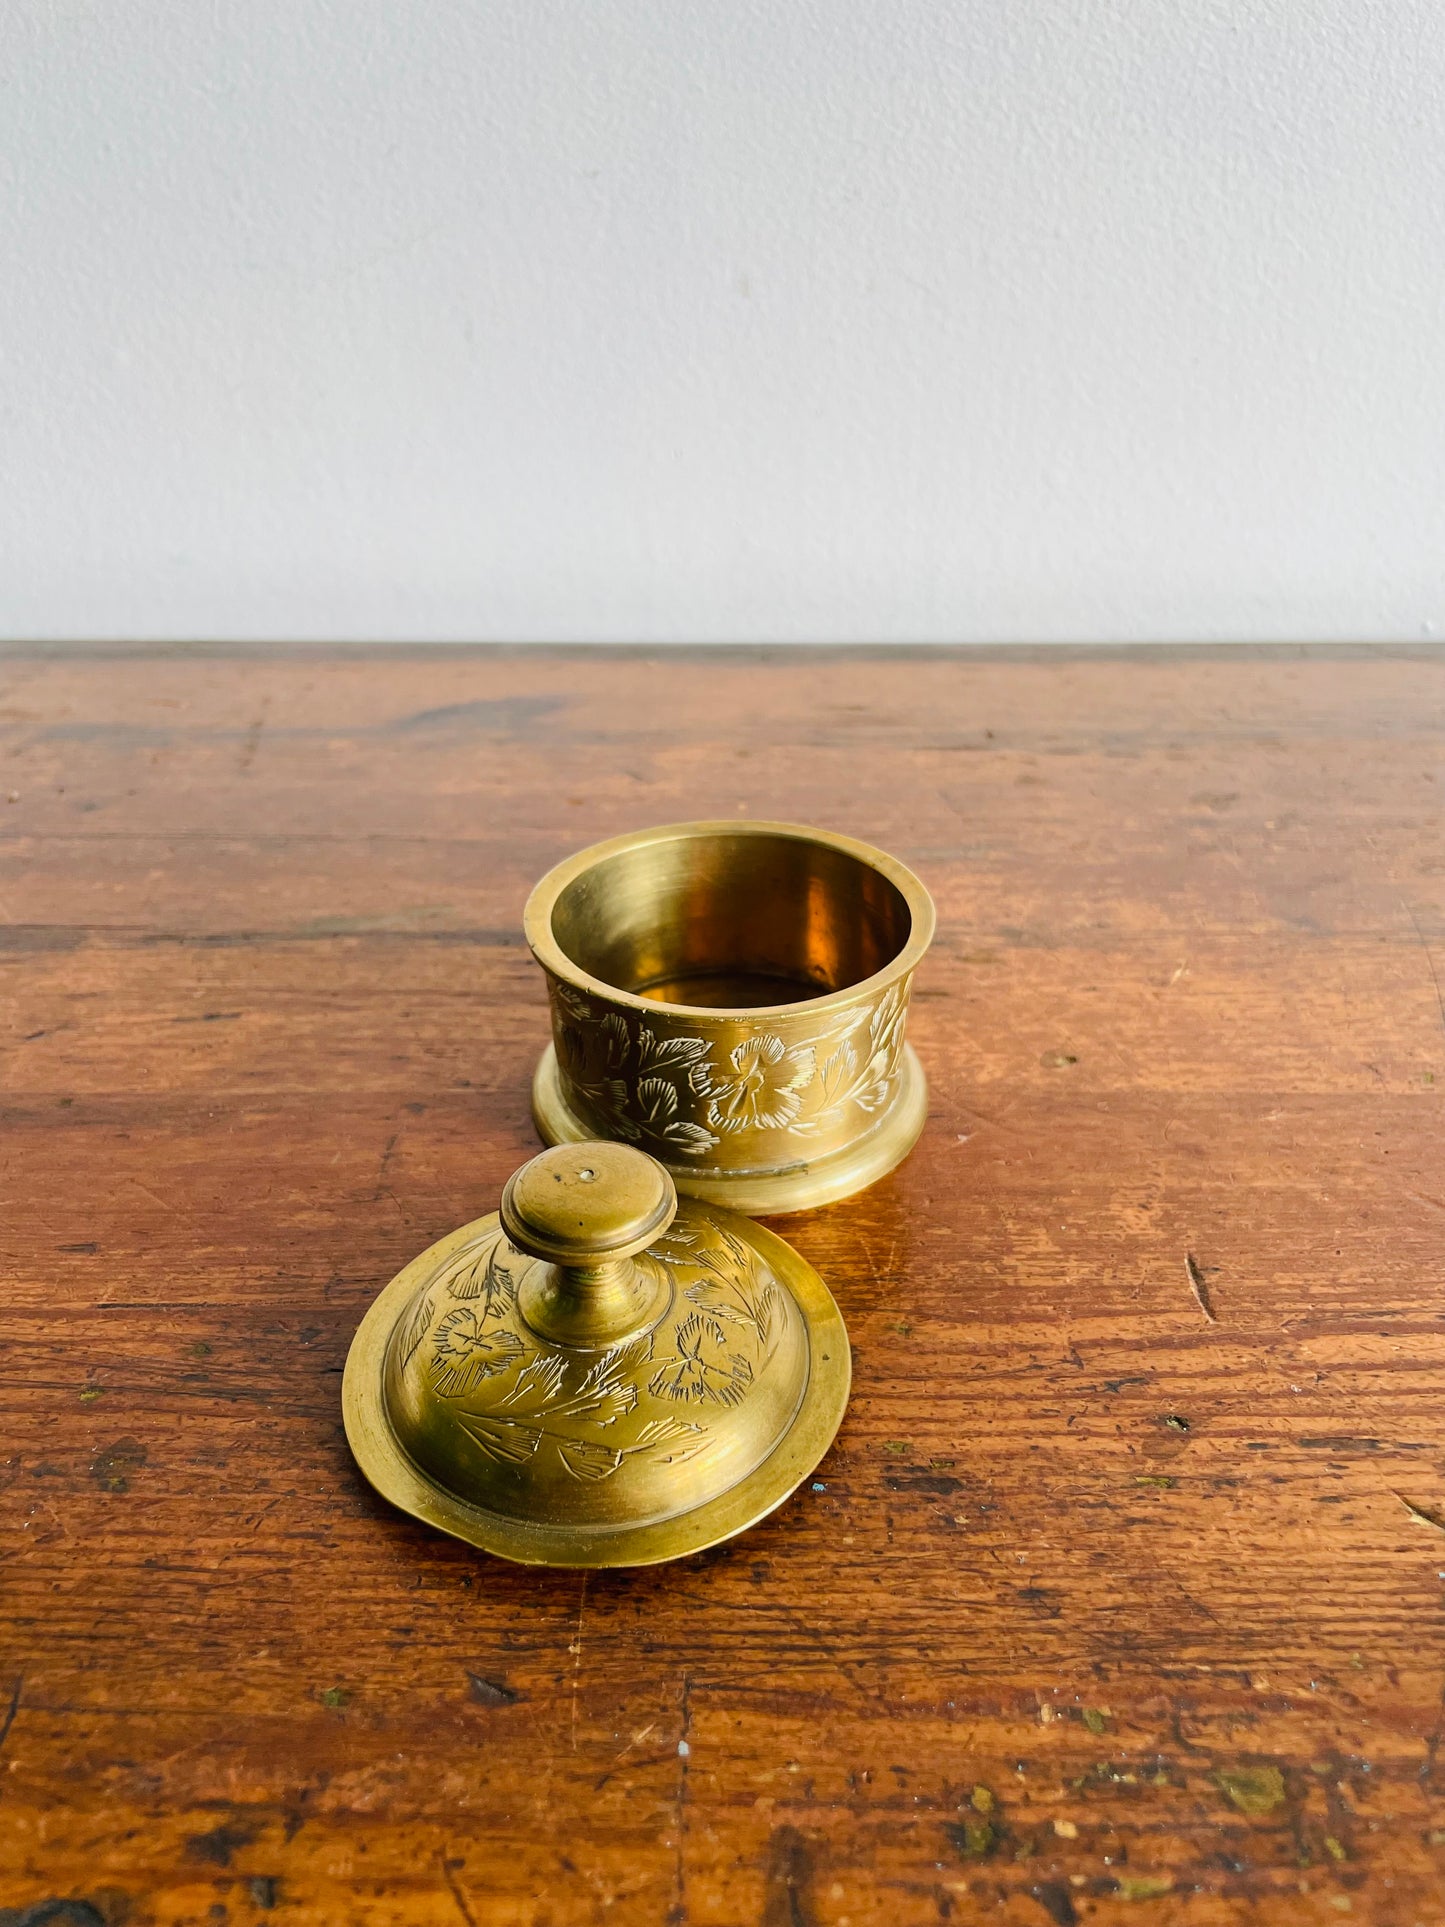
(576, 1651)
(789, 1880)
(64, 1529)
(1420, 1518)
(638, 1737)
(454, 1889)
(383, 1167)
(887, 1276)
(252, 740)
(677, 1912)
(12, 1709)
(1430, 964)
(164, 1203)
(1198, 1287)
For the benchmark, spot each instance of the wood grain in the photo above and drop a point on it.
(1099, 1611)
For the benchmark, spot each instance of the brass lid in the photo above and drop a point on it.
(597, 1375)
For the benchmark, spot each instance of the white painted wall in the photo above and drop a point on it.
(722, 318)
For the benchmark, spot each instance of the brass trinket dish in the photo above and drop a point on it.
(595, 1375)
(731, 997)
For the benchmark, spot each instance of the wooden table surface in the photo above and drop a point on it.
(1108, 1604)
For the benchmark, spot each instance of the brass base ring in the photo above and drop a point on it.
(767, 1194)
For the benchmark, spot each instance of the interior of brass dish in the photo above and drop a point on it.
(594, 1376)
(732, 919)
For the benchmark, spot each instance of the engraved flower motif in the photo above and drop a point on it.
(467, 1350)
(759, 1087)
(701, 1369)
(627, 1094)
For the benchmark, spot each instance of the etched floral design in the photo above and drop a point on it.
(514, 1399)
(487, 1279)
(415, 1328)
(738, 1292)
(537, 1407)
(700, 1368)
(646, 1107)
(863, 1069)
(657, 1103)
(469, 1349)
(678, 1097)
(727, 1335)
(665, 1054)
(594, 1056)
(759, 1088)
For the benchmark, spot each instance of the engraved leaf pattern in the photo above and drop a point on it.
(668, 1053)
(536, 1407)
(508, 1445)
(729, 1301)
(658, 1101)
(739, 1293)
(614, 1097)
(416, 1327)
(592, 1461)
(614, 1039)
(605, 1394)
(572, 1001)
(838, 1072)
(589, 1459)
(886, 1024)
(733, 1322)
(488, 1279)
(863, 1069)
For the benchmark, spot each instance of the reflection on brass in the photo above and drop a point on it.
(595, 1375)
(731, 997)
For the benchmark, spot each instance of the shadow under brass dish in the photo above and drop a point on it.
(595, 1375)
(731, 997)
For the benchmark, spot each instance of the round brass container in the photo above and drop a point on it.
(731, 997)
(595, 1376)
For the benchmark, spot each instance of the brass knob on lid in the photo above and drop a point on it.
(588, 1210)
(581, 1204)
